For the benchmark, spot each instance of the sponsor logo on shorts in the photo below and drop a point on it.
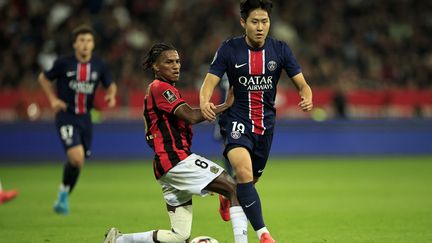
(214, 169)
(235, 134)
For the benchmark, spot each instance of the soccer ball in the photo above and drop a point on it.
(204, 239)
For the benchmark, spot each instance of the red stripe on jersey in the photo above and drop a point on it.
(83, 73)
(256, 62)
(256, 103)
(256, 111)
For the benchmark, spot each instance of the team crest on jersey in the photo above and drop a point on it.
(272, 65)
(169, 96)
(235, 134)
(93, 76)
(214, 169)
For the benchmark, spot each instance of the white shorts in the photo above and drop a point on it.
(189, 177)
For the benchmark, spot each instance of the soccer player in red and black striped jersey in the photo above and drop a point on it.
(76, 77)
(253, 63)
(181, 173)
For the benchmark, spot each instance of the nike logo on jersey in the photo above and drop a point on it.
(247, 206)
(239, 66)
(70, 74)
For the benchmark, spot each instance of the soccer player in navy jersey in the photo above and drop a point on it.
(76, 78)
(168, 123)
(253, 64)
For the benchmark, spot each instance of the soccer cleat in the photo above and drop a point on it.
(112, 235)
(6, 196)
(61, 206)
(224, 207)
(266, 238)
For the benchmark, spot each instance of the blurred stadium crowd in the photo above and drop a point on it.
(342, 45)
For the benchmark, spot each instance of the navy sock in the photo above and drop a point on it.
(251, 204)
(70, 175)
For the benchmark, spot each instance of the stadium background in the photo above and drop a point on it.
(370, 134)
(365, 60)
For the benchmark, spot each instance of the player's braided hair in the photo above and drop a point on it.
(246, 6)
(155, 51)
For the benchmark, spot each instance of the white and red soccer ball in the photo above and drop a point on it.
(204, 239)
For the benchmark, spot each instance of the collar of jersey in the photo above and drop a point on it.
(254, 48)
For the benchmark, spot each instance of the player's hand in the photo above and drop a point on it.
(58, 105)
(305, 104)
(207, 111)
(229, 101)
(111, 100)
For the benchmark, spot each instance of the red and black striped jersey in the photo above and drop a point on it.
(168, 136)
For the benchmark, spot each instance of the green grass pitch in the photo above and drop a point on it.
(313, 199)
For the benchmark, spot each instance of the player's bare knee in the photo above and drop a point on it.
(77, 161)
(243, 175)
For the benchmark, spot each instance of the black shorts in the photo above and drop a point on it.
(74, 130)
(258, 145)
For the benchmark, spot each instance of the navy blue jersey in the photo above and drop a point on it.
(77, 82)
(254, 74)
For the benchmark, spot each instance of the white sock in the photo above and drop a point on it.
(143, 237)
(261, 231)
(239, 223)
(64, 188)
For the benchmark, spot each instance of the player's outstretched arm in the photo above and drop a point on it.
(305, 92)
(206, 92)
(56, 103)
(194, 115)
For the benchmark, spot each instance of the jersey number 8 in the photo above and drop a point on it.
(201, 164)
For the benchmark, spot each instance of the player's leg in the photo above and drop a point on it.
(181, 225)
(226, 186)
(71, 171)
(6, 196)
(246, 192)
(259, 157)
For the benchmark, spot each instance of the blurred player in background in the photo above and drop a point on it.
(181, 173)
(77, 77)
(6, 196)
(253, 64)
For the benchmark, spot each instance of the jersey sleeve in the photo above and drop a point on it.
(220, 61)
(290, 64)
(56, 70)
(106, 77)
(166, 97)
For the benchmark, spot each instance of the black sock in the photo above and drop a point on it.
(70, 175)
(251, 204)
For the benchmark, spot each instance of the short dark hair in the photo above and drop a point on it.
(246, 6)
(82, 29)
(155, 51)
